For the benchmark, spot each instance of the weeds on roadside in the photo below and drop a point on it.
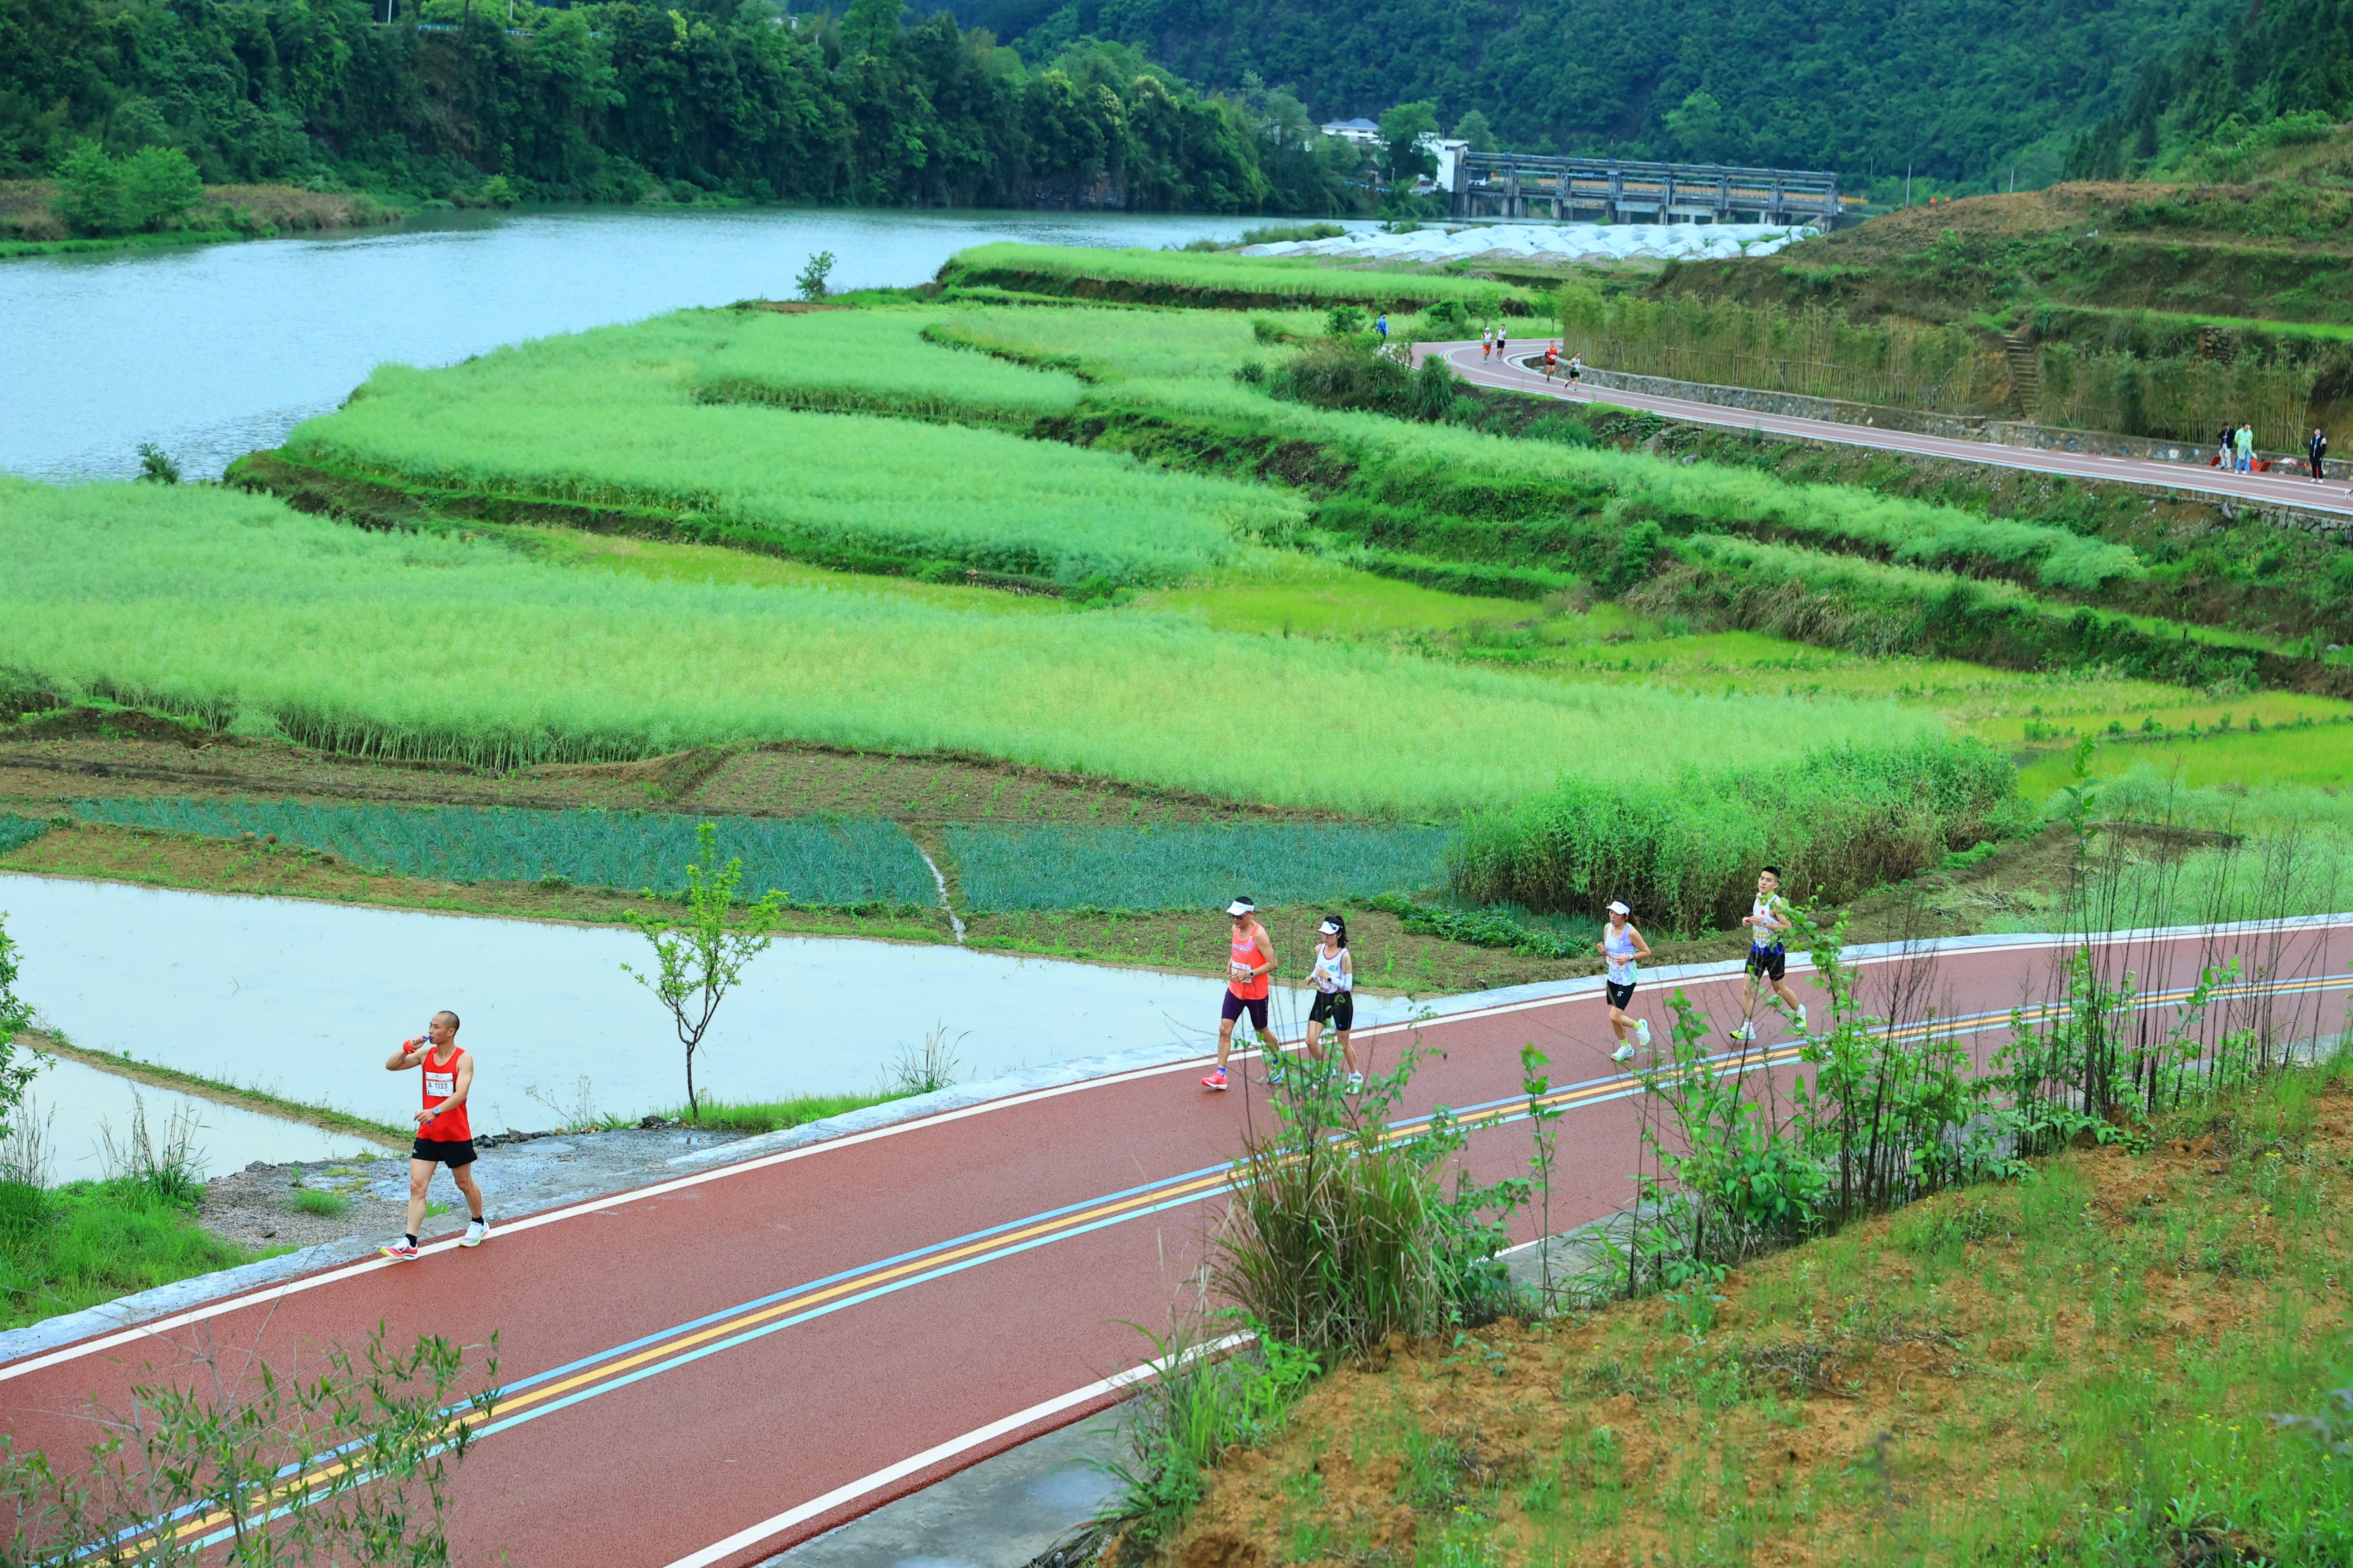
(919, 1070)
(375, 1436)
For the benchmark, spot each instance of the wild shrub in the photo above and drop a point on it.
(1341, 1231)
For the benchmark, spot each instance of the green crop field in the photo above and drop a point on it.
(609, 418)
(866, 360)
(841, 862)
(1119, 344)
(1210, 278)
(425, 645)
(1189, 865)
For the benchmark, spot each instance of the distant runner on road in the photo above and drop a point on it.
(1246, 986)
(1576, 370)
(444, 1136)
(1552, 359)
(1768, 957)
(2317, 452)
(1621, 945)
(1334, 979)
(1486, 343)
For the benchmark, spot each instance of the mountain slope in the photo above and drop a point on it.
(1957, 87)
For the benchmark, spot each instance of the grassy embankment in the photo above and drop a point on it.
(2081, 1367)
(2149, 309)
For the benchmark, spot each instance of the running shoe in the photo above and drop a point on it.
(1801, 1017)
(478, 1231)
(1643, 1032)
(1624, 1053)
(1274, 1073)
(399, 1251)
(1355, 1081)
(1215, 1080)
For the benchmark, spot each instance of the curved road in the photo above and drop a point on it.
(1514, 375)
(707, 1369)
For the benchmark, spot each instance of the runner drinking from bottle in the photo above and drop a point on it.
(1252, 962)
(1334, 979)
(443, 1137)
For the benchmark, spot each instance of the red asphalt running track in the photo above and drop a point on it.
(2276, 489)
(710, 1369)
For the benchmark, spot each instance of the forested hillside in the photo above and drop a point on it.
(1959, 88)
(2215, 107)
(616, 102)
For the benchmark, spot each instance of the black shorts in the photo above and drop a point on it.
(1337, 1008)
(453, 1152)
(1768, 963)
(1234, 1006)
(1619, 995)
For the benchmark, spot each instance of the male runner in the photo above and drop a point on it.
(1576, 370)
(1621, 945)
(1768, 957)
(1246, 986)
(443, 1137)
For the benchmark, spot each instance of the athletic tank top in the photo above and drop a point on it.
(1327, 976)
(1619, 946)
(440, 1083)
(1764, 936)
(1248, 954)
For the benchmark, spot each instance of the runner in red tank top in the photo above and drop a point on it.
(1246, 986)
(444, 1136)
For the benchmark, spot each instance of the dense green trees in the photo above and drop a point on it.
(612, 101)
(1953, 86)
(2278, 75)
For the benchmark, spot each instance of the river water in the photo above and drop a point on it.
(305, 1000)
(216, 351)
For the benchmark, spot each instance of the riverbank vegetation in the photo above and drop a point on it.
(622, 102)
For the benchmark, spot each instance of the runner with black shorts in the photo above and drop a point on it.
(1576, 370)
(1621, 945)
(1334, 979)
(444, 1136)
(1768, 957)
(1246, 988)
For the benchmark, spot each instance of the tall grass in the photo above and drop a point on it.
(611, 419)
(1189, 865)
(1837, 822)
(828, 862)
(236, 607)
(1177, 277)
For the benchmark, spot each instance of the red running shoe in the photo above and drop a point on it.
(1215, 1080)
(399, 1251)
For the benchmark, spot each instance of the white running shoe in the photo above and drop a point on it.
(1749, 1030)
(1643, 1032)
(1801, 1017)
(1624, 1053)
(1355, 1081)
(401, 1251)
(478, 1231)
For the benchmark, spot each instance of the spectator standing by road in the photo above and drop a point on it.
(2317, 451)
(2246, 448)
(2222, 440)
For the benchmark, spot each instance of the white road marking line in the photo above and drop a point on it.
(718, 1550)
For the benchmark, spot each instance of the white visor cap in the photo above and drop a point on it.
(1241, 907)
(1619, 910)
(1329, 929)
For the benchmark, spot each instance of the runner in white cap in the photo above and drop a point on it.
(1621, 945)
(1246, 988)
(1334, 979)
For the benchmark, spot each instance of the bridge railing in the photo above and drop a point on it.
(1531, 184)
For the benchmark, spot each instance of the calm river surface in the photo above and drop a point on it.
(217, 351)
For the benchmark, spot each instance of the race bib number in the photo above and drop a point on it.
(443, 1083)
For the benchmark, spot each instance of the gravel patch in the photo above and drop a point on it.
(262, 1205)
